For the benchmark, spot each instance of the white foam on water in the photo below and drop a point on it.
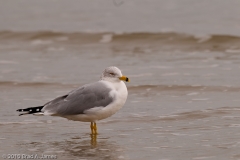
(9, 123)
(204, 157)
(106, 38)
(8, 62)
(192, 93)
(235, 125)
(151, 147)
(41, 42)
(200, 99)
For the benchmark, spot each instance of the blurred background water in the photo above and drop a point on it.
(182, 58)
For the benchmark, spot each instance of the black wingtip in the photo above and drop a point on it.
(30, 110)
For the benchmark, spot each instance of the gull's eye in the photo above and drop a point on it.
(112, 74)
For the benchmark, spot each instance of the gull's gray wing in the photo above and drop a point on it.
(80, 100)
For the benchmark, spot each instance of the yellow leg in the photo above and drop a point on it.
(92, 128)
(95, 128)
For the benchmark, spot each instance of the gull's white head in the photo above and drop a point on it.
(113, 74)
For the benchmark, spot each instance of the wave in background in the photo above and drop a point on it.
(198, 42)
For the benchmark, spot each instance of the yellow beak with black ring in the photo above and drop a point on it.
(124, 78)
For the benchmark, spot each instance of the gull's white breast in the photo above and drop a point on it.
(118, 92)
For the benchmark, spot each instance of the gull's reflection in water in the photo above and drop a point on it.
(93, 140)
(78, 147)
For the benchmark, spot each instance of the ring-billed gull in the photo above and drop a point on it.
(89, 103)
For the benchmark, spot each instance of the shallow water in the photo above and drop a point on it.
(181, 105)
(183, 98)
